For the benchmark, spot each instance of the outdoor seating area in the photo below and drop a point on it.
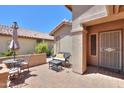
(16, 66)
(41, 77)
(59, 60)
(65, 78)
(14, 69)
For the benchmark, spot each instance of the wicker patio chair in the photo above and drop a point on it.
(65, 59)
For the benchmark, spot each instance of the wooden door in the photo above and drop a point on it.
(110, 49)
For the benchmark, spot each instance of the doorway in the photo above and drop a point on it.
(110, 49)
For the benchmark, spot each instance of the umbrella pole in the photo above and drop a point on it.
(14, 55)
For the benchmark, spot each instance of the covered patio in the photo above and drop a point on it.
(42, 77)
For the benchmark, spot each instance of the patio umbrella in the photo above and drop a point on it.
(14, 45)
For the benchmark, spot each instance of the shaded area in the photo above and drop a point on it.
(105, 71)
(20, 82)
(43, 77)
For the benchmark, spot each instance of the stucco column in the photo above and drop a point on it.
(84, 42)
(79, 37)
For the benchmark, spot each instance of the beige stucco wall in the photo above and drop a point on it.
(34, 59)
(64, 43)
(77, 52)
(50, 43)
(26, 45)
(82, 13)
(4, 43)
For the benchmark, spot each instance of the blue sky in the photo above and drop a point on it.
(42, 18)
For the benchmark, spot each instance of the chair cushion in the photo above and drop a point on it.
(24, 63)
(60, 55)
(57, 58)
(13, 70)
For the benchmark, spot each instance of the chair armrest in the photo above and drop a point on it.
(67, 58)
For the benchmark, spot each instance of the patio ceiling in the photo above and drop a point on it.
(69, 7)
(111, 9)
(115, 12)
(105, 19)
(114, 9)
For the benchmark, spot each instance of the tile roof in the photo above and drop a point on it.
(6, 30)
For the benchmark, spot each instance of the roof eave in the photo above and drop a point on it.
(69, 7)
(29, 37)
(58, 27)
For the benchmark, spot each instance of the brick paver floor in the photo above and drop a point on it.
(42, 77)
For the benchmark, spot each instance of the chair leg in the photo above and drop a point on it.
(28, 68)
(25, 67)
(19, 73)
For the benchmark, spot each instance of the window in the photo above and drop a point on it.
(93, 44)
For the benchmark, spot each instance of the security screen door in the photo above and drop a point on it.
(110, 49)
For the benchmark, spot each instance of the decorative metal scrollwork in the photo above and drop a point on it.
(109, 49)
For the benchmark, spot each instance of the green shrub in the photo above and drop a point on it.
(49, 52)
(41, 48)
(7, 53)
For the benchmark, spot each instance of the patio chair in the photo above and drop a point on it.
(24, 64)
(14, 72)
(64, 58)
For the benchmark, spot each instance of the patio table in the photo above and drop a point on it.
(14, 67)
(55, 64)
(11, 62)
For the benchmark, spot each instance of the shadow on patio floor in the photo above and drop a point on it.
(21, 80)
(104, 71)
